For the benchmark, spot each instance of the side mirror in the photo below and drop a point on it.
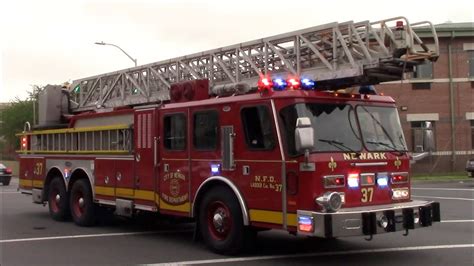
(304, 134)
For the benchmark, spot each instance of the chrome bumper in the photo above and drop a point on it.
(370, 220)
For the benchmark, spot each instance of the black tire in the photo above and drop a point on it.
(81, 203)
(228, 236)
(6, 182)
(58, 200)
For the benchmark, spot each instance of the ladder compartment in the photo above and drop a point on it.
(114, 139)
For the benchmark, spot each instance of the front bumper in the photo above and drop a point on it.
(370, 220)
(470, 172)
(5, 177)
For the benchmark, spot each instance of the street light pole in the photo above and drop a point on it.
(131, 58)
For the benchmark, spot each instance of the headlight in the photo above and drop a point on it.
(330, 201)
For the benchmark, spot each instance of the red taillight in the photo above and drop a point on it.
(8, 171)
(292, 183)
(293, 83)
(398, 178)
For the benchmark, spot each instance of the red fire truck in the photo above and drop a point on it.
(284, 132)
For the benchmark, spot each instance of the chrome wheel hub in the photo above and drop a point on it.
(57, 198)
(218, 221)
(81, 202)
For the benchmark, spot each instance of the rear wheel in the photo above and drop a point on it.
(58, 200)
(81, 203)
(220, 221)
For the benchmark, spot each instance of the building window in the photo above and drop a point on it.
(175, 132)
(206, 126)
(424, 71)
(423, 136)
(421, 86)
(258, 130)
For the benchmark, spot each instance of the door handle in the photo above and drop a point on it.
(245, 170)
(166, 167)
(155, 141)
(118, 176)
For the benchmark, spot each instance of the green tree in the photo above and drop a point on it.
(14, 118)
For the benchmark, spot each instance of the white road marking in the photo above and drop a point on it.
(439, 188)
(314, 254)
(90, 236)
(458, 221)
(432, 197)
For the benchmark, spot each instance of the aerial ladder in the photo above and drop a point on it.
(336, 55)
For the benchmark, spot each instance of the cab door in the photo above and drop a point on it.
(174, 178)
(259, 161)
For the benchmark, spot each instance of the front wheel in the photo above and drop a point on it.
(81, 203)
(220, 221)
(58, 200)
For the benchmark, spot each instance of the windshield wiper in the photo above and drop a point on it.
(400, 153)
(340, 145)
(384, 130)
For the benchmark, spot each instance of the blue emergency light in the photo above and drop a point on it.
(215, 169)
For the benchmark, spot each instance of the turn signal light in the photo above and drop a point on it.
(367, 179)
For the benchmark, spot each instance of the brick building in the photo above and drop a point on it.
(436, 102)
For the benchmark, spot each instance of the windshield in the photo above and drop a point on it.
(335, 127)
(381, 129)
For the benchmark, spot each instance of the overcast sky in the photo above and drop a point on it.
(50, 42)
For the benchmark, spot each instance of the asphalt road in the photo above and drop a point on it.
(29, 237)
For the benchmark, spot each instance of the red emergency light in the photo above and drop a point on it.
(264, 84)
(293, 83)
(399, 25)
